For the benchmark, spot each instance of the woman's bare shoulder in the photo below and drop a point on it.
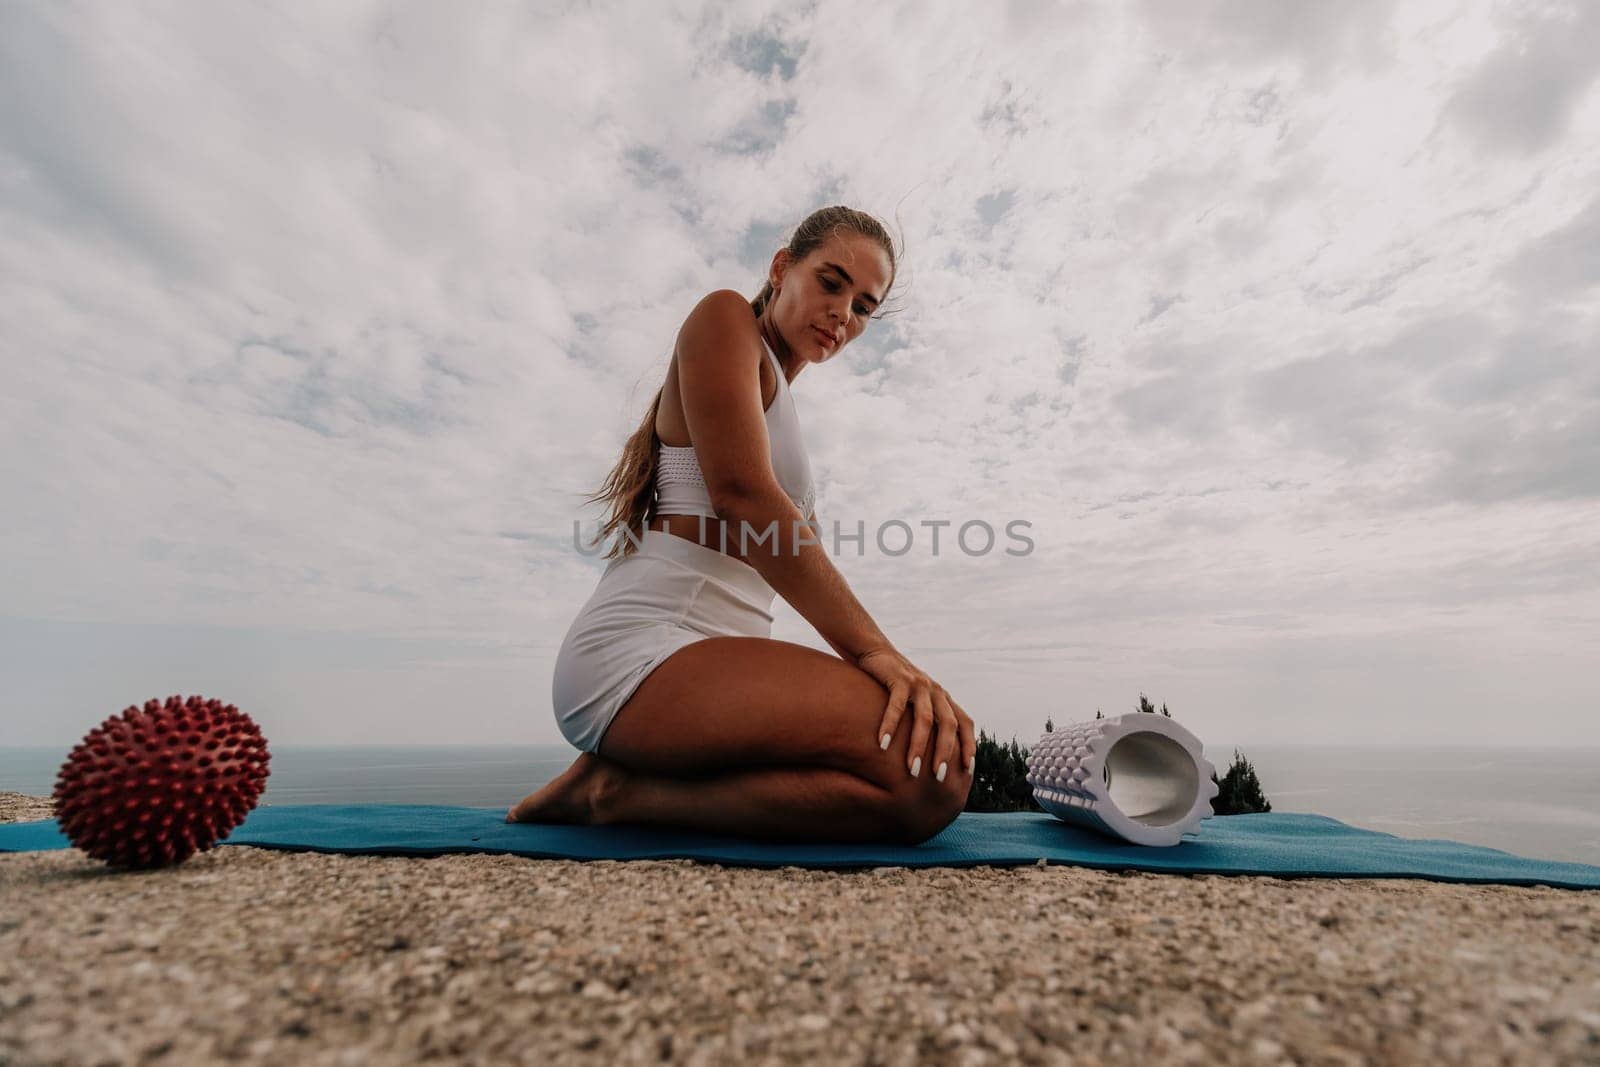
(719, 363)
(727, 306)
(720, 322)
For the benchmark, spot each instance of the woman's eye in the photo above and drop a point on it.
(833, 287)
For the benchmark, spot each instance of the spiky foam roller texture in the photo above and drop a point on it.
(152, 786)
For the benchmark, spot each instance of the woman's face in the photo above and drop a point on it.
(825, 300)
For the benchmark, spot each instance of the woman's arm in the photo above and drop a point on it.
(812, 521)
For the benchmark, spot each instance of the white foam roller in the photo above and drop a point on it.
(1140, 777)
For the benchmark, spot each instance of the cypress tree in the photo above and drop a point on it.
(1239, 792)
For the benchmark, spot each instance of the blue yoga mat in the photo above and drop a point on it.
(1278, 844)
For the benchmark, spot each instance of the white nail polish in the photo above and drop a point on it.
(942, 768)
(916, 766)
(973, 762)
(885, 744)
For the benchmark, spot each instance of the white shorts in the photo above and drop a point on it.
(668, 594)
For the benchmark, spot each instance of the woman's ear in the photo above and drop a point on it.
(780, 267)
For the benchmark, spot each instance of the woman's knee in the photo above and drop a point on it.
(923, 823)
(924, 810)
(732, 703)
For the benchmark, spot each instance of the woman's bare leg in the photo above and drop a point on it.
(767, 804)
(770, 803)
(778, 745)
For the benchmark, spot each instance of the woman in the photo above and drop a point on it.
(688, 713)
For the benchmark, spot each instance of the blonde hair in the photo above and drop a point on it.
(629, 489)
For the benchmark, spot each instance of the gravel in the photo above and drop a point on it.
(278, 957)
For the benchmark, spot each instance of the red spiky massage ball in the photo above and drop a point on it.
(150, 787)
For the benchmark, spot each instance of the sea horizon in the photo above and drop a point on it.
(1542, 802)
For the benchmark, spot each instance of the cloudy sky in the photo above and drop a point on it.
(1275, 320)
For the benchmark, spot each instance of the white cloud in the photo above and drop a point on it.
(1271, 318)
(1523, 94)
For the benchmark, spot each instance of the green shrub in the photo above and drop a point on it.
(1000, 777)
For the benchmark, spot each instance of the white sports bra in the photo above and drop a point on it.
(681, 487)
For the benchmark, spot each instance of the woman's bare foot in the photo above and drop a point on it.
(577, 797)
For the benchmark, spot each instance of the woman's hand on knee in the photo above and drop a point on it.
(933, 708)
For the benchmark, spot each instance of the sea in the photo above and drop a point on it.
(1542, 803)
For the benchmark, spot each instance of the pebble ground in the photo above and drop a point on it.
(261, 956)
